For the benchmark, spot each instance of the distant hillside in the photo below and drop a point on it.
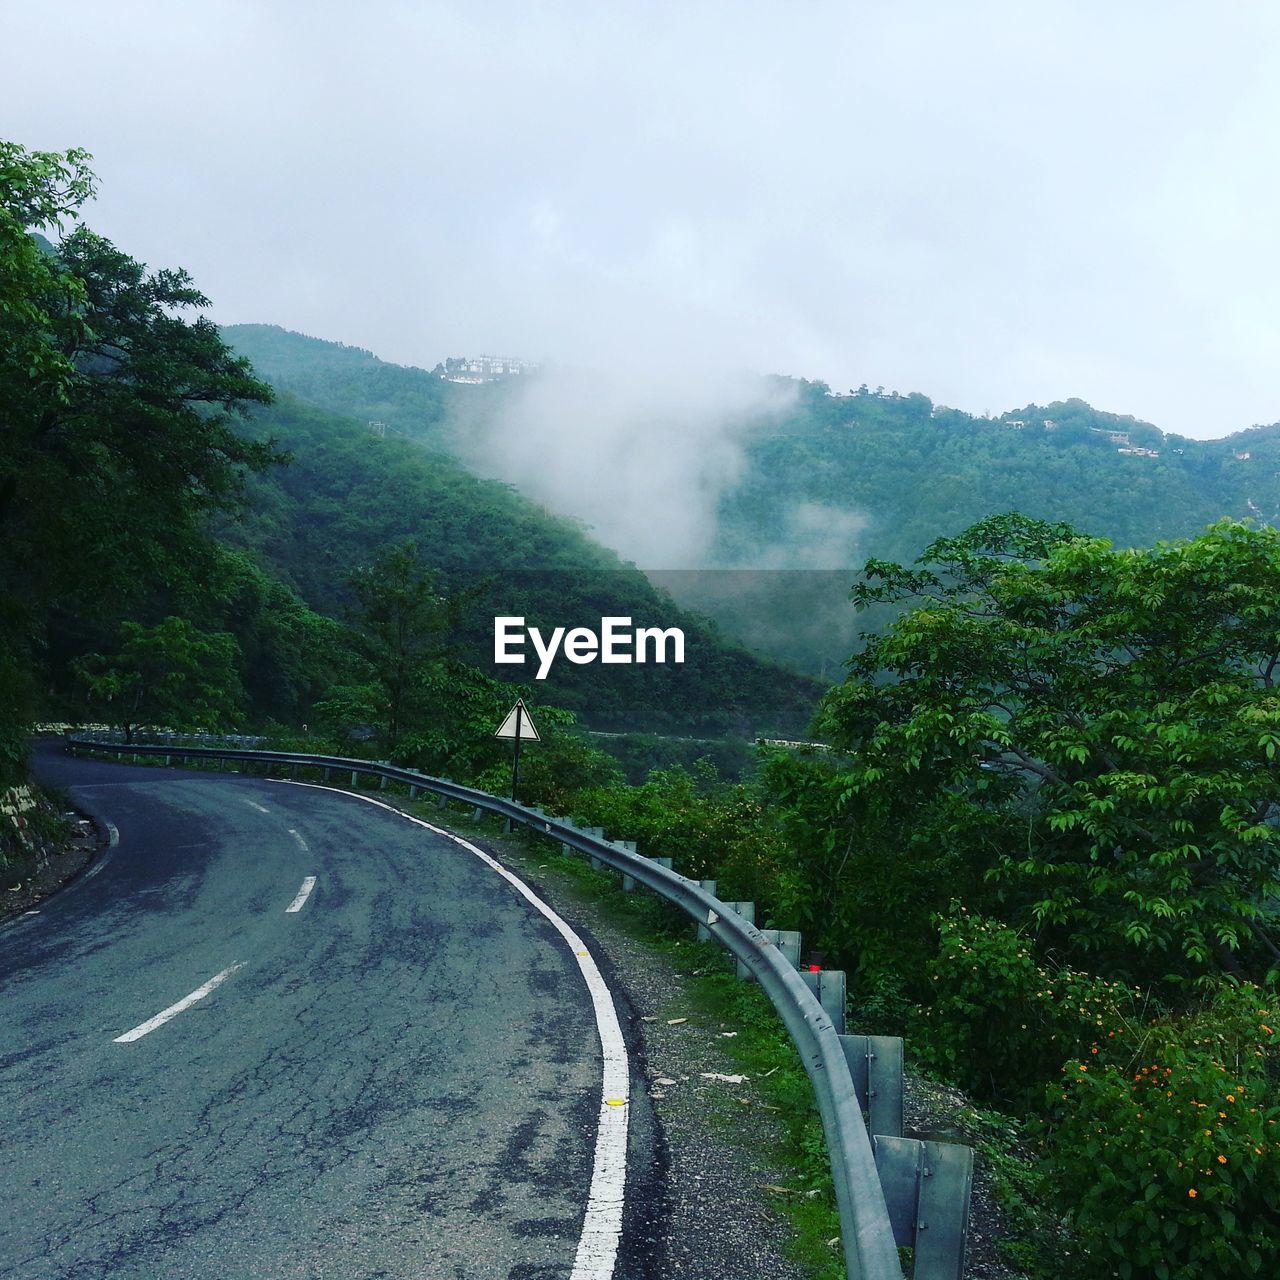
(832, 480)
(914, 471)
(345, 380)
(348, 493)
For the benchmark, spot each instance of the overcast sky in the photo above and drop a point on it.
(991, 203)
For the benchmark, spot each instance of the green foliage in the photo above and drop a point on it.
(348, 712)
(1167, 1158)
(865, 873)
(460, 709)
(640, 754)
(555, 769)
(115, 436)
(999, 1021)
(169, 676)
(400, 623)
(1109, 716)
(37, 189)
(289, 655)
(139, 428)
(709, 829)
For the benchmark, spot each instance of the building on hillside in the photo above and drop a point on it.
(478, 369)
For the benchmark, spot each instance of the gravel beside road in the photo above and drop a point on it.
(715, 1220)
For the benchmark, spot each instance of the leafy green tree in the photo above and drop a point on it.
(134, 437)
(1107, 721)
(38, 189)
(171, 675)
(116, 439)
(347, 712)
(401, 624)
(460, 709)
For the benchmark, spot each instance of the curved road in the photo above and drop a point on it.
(281, 1032)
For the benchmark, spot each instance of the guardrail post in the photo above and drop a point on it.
(828, 988)
(787, 941)
(629, 882)
(748, 911)
(704, 934)
(327, 773)
(875, 1063)
(597, 864)
(927, 1187)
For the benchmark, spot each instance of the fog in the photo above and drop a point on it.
(990, 203)
(642, 457)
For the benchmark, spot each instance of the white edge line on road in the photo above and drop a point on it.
(113, 839)
(602, 1227)
(145, 1028)
(303, 894)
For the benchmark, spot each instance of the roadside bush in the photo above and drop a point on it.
(554, 770)
(709, 829)
(1169, 1166)
(1001, 1022)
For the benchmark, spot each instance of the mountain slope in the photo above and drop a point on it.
(349, 493)
(826, 481)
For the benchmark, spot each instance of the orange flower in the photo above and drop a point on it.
(1193, 1193)
(1231, 1097)
(1222, 1159)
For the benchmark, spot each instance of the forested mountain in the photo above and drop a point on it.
(824, 481)
(915, 471)
(348, 493)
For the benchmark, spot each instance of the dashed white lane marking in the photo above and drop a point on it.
(113, 833)
(303, 894)
(602, 1227)
(302, 843)
(260, 808)
(145, 1028)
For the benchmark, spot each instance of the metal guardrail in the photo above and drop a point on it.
(870, 1252)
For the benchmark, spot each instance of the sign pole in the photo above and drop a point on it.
(515, 759)
(517, 724)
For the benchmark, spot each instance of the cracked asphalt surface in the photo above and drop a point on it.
(401, 1081)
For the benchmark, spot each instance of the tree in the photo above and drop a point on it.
(37, 189)
(171, 675)
(1108, 719)
(116, 436)
(401, 622)
(110, 465)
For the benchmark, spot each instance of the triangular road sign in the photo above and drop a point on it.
(519, 714)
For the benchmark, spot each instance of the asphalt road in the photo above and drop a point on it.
(400, 1077)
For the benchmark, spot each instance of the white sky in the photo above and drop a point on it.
(992, 203)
